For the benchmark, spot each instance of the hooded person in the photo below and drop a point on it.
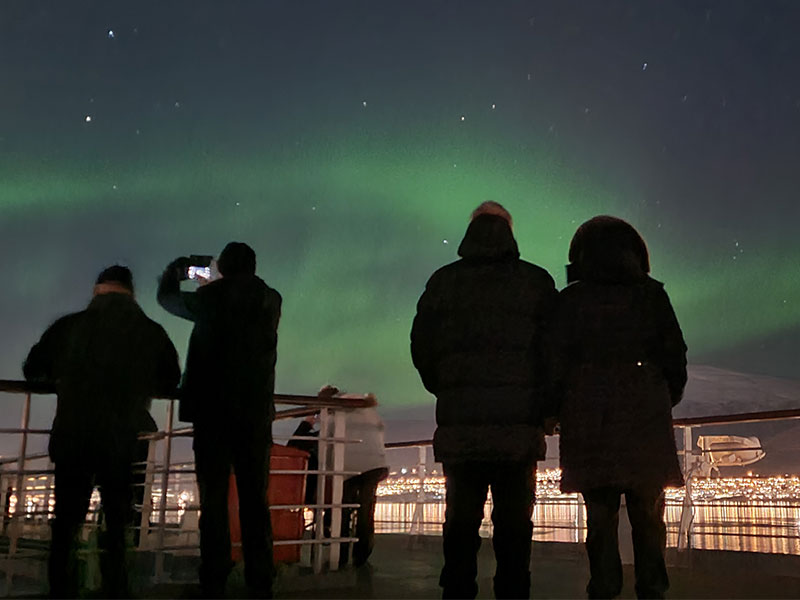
(476, 342)
(106, 362)
(618, 367)
(227, 393)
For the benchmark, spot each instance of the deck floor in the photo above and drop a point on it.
(402, 567)
(398, 569)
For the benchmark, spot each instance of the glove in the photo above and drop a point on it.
(179, 267)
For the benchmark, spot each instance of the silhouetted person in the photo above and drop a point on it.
(619, 367)
(476, 344)
(368, 460)
(227, 393)
(106, 362)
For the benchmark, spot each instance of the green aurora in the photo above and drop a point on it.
(349, 234)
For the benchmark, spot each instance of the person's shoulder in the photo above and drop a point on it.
(65, 326)
(573, 290)
(538, 274)
(656, 292)
(68, 320)
(446, 272)
(153, 326)
(270, 294)
(213, 287)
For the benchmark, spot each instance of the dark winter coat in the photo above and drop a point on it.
(619, 366)
(230, 365)
(106, 362)
(475, 342)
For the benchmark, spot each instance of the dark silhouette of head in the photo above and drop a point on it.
(237, 259)
(117, 274)
(490, 207)
(608, 249)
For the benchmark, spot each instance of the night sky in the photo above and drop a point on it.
(347, 142)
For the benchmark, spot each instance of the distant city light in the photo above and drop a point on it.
(704, 489)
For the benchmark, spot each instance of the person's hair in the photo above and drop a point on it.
(490, 207)
(606, 247)
(117, 274)
(237, 259)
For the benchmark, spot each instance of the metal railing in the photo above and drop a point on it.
(163, 475)
(330, 472)
(782, 522)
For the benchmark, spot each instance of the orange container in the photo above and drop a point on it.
(287, 524)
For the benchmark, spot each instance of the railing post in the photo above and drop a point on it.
(50, 490)
(15, 526)
(687, 511)
(5, 493)
(147, 496)
(422, 471)
(322, 480)
(419, 504)
(162, 508)
(337, 490)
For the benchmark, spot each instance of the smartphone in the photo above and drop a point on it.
(199, 267)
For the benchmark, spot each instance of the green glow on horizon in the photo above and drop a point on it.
(350, 234)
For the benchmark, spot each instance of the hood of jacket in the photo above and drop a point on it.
(488, 237)
(609, 250)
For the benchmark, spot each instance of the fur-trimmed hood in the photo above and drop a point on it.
(608, 249)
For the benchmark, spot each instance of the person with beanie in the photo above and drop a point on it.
(106, 363)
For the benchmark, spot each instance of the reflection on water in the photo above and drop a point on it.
(754, 526)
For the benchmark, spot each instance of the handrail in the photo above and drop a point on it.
(349, 401)
(408, 444)
(750, 417)
(323, 400)
(328, 404)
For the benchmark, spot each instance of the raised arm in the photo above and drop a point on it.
(170, 297)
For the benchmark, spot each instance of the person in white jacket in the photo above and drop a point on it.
(366, 458)
(369, 459)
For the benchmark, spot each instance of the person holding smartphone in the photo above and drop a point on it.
(227, 393)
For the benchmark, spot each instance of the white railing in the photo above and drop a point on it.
(563, 515)
(15, 486)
